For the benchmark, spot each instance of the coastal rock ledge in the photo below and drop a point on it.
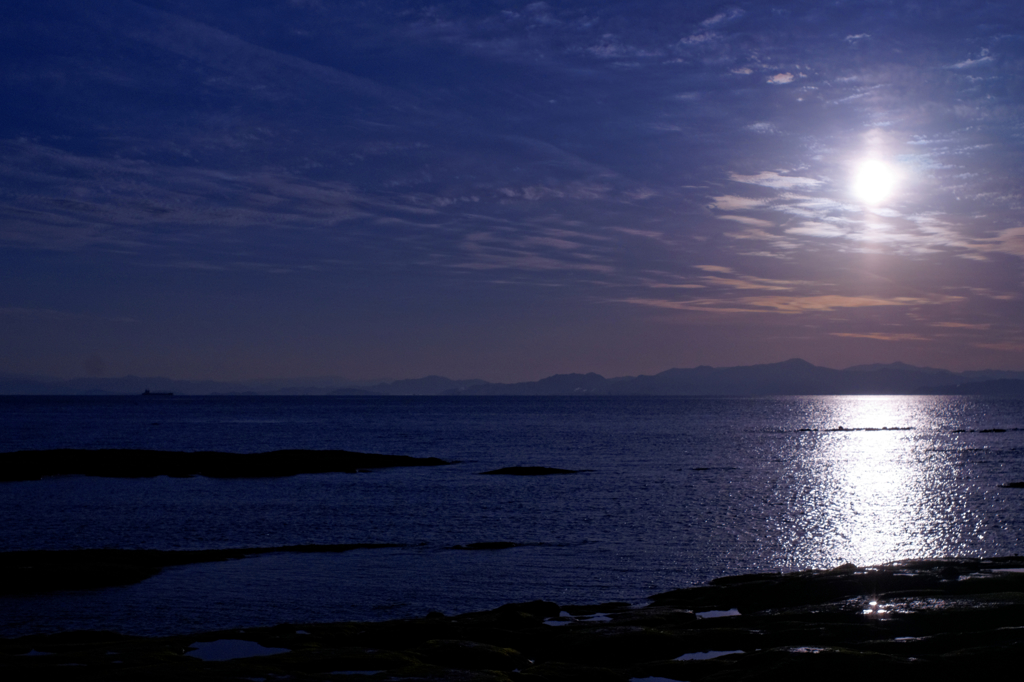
(920, 620)
(33, 465)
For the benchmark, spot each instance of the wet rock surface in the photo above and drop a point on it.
(32, 465)
(929, 619)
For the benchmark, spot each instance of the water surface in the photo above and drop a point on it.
(681, 490)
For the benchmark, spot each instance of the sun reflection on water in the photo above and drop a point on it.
(869, 489)
(878, 489)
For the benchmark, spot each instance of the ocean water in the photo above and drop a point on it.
(679, 490)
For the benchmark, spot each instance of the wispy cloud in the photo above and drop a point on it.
(1008, 346)
(748, 283)
(711, 305)
(723, 17)
(731, 202)
(665, 285)
(799, 304)
(699, 38)
(814, 229)
(983, 58)
(882, 336)
(790, 304)
(546, 251)
(961, 325)
(775, 180)
(650, 234)
(747, 220)
(1009, 241)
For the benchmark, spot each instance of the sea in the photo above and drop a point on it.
(671, 492)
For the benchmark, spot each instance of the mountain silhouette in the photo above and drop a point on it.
(792, 377)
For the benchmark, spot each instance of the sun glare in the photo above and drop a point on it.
(873, 182)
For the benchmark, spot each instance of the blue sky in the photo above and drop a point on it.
(506, 190)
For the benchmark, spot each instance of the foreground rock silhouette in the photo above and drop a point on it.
(920, 620)
(32, 465)
(38, 571)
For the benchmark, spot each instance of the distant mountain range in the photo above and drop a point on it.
(792, 377)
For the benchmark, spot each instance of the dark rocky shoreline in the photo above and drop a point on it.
(38, 571)
(935, 619)
(32, 465)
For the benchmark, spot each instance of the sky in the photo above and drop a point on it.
(504, 190)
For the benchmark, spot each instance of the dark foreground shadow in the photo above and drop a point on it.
(914, 620)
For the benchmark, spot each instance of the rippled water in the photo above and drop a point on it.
(681, 490)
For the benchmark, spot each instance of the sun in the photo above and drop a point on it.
(874, 181)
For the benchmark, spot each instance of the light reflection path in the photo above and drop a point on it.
(868, 486)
